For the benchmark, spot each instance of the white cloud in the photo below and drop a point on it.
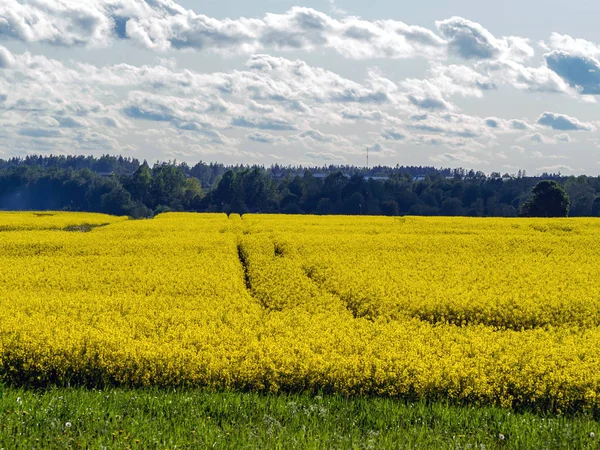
(507, 126)
(568, 44)
(470, 40)
(534, 79)
(163, 25)
(576, 61)
(456, 158)
(563, 122)
(460, 80)
(66, 23)
(426, 95)
(517, 124)
(540, 155)
(563, 138)
(539, 138)
(324, 156)
(6, 58)
(580, 72)
(271, 100)
(266, 138)
(558, 168)
(317, 137)
(391, 134)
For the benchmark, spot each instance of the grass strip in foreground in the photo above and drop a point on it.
(153, 418)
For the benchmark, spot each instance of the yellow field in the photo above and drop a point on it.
(503, 311)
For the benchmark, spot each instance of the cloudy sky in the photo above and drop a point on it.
(500, 88)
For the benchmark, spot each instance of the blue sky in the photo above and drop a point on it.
(495, 87)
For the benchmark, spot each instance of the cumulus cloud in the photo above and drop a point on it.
(6, 58)
(150, 111)
(506, 126)
(540, 155)
(541, 139)
(459, 128)
(272, 100)
(203, 129)
(568, 44)
(460, 80)
(563, 122)
(163, 25)
(580, 72)
(493, 123)
(319, 137)
(536, 138)
(56, 22)
(563, 138)
(68, 122)
(390, 134)
(471, 40)
(468, 39)
(534, 79)
(324, 156)
(516, 124)
(263, 123)
(40, 132)
(458, 157)
(270, 94)
(426, 95)
(558, 168)
(265, 138)
(289, 80)
(576, 61)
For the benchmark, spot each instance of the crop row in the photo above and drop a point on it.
(480, 311)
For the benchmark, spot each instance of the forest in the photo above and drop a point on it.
(126, 186)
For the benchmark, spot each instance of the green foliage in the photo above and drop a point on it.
(549, 199)
(124, 186)
(119, 419)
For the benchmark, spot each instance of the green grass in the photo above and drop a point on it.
(122, 418)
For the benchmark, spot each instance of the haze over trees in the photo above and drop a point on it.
(126, 186)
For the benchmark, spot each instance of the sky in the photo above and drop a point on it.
(496, 87)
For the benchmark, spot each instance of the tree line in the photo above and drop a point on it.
(125, 186)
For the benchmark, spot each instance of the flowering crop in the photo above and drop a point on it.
(481, 311)
(53, 220)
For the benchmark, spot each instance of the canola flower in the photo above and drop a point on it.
(53, 220)
(492, 311)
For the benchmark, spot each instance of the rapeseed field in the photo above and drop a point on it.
(479, 311)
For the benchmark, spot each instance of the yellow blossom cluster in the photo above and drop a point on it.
(499, 311)
(44, 220)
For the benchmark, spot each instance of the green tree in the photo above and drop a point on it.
(116, 202)
(141, 181)
(548, 199)
(167, 186)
